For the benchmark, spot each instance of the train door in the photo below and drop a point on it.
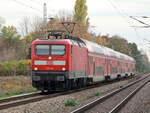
(90, 66)
(86, 63)
(84, 60)
(108, 66)
(94, 70)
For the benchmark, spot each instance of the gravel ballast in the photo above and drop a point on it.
(57, 104)
(140, 103)
(107, 105)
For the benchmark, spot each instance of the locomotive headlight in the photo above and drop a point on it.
(35, 68)
(49, 58)
(63, 69)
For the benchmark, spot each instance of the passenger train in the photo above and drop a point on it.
(74, 62)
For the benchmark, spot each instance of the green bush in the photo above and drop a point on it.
(97, 94)
(70, 103)
(11, 68)
(23, 67)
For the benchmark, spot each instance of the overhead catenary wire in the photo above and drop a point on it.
(31, 7)
(142, 16)
(139, 21)
(135, 27)
(41, 2)
(133, 17)
(120, 11)
(124, 15)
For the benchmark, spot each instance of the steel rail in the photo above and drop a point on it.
(18, 97)
(90, 105)
(125, 101)
(34, 97)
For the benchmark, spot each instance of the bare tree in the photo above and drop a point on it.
(37, 30)
(25, 26)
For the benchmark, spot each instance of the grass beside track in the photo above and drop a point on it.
(19, 92)
(15, 85)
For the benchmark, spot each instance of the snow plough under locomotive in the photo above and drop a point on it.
(75, 62)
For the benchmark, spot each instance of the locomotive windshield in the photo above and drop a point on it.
(50, 49)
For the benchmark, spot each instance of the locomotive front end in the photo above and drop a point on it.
(49, 64)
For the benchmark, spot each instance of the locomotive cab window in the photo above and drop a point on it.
(50, 49)
(57, 49)
(42, 50)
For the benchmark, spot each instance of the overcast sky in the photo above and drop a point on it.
(108, 16)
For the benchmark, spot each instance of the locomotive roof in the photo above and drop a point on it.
(46, 40)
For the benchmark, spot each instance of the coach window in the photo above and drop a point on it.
(58, 49)
(42, 50)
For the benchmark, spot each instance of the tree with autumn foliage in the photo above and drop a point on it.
(118, 44)
(80, 12)
(102, 40)
(81, 18)
(10, 36)
(10, 43)
(142, 61)
(115, 42)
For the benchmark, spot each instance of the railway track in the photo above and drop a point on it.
(34, 97)
(114, 101)
(122, 103)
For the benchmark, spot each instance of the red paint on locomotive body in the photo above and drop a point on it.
(49, 66)
(70, 60)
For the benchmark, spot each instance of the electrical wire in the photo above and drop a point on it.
(133, 17)
(124, 15)
(117, 9)
(135, 27)
(23, 4)
(139, 21)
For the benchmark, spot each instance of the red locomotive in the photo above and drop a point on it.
(75, 62)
